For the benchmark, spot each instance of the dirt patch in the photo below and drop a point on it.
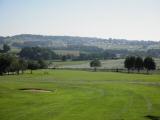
(35, 90)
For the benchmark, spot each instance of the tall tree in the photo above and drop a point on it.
(95, 63)
(129, 63)
(4, 64)
(6, 61)
(6, 48)
(149, 64)
(132, 62)
(14, 66)
(33, 65)
(42, 64)
(23, 65)
(139, 63)
(64, 58)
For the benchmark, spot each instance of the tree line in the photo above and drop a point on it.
(35, 58)
(28, 58)
(5, 49)
(138, 63)
(12, 64)
(36, 53)
(131, 63)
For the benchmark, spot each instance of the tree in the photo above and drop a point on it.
(33, 65)
(6, 48)
(37, 53)
(132, 62)
(4, 64)
(149, 64)
(95, 63)
(23, 65)
(129, 63)
(9, 63)
(42, 64)
(139, 63)
(64, 58)
(14, 66)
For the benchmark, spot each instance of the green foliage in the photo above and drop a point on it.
(23, 64)
(95, 63)
(15, 65)
(129, 62)
(64, 58)
(5, 49)
(37, 53)
(149, 63)
(139, 63)
(33, 65)
(11, 63)
(42, 64)
(4, 63)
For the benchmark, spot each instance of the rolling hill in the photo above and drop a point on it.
(58, 42)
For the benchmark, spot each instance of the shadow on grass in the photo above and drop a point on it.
(151, 117)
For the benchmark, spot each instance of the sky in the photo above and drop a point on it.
(122, 19)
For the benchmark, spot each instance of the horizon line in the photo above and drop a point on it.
(98, 37)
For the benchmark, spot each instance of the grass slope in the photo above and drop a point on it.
(80, 95)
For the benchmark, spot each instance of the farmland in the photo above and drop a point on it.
(106, 64)
(80, 95)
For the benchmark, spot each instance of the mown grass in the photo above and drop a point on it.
(67, 63)
(80, 95)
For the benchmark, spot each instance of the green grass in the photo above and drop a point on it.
(80, 95)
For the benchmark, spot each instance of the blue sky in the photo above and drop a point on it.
(129, 19)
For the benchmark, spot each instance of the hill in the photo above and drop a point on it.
(71, 42)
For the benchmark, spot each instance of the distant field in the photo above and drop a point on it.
(157, 63)
(67, 52)
(109, 64)
(62, 64)
(80, 95)
(106, 64)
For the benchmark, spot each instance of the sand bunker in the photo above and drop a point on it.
(35, 90)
